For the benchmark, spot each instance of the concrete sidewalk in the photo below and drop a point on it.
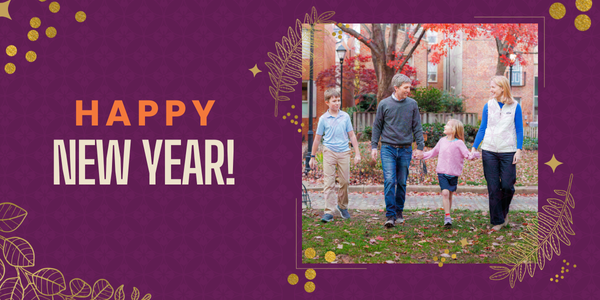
(459, 201)
(423, 189)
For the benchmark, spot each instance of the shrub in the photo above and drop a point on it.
(530, 143)
(367, 133)
(366, 102)
(429, 99)
(451, 103)
(435, 131)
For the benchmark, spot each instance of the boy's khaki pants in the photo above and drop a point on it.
(331, 161)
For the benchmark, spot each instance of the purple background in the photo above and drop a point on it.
(242, 241)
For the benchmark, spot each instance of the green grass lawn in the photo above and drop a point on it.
(422, 239)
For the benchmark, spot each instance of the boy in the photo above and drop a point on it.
(335, 126)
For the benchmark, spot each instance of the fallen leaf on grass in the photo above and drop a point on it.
(423, 241)
(484, 213)
(318, 237)
(340, 246)
(389, 261)
(379, 238)
(445, 255)
(451, 242)
(495, 244)
(500, 238)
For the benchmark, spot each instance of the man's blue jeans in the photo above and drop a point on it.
(395, 163)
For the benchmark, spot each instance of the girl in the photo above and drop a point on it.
(452, 152)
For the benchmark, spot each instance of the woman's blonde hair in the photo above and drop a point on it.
(457, 128)
(504, 84)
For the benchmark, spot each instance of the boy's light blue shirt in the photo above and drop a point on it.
(335, 131)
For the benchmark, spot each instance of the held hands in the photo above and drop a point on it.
(419, 154)
(517, 157)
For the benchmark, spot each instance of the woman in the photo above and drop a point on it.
(501, 131)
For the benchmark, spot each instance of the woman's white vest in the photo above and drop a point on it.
(501, 133)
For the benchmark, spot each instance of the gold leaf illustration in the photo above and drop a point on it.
(11, 289)
(286, 65)
(102, 290)
(12, 217)
(80, 288)
(49, 281)
(2, 270)
(135, 295)
(18, 252)
(31, 293)
(541, 239)
(120, 294)
(147, 297)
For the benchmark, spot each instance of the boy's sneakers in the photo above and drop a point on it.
(327, 218)
(391, 222)
(399, 218)
(344, 212)
(447, 222)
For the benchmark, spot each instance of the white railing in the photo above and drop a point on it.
(363, 119)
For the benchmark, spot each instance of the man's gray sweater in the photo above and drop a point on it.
(397, 122)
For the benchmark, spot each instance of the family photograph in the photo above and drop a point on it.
(419, 142)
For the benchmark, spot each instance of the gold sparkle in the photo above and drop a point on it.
(293, 279)
(80, 16)
(33, 35)
(464, 242)
(4, 10)
(309, 287)
(310, 253)
(440, 264)
(10, 68)
(35, 22)
(11, 50)
(51, 32)
(583, 5)
(30, 56)
(310, 274)
(255, 70)
(54, 7)
(330, 256)
(557, 10)
(553, 163)
(583, 22)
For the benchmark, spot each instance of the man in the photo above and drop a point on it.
(396, 122)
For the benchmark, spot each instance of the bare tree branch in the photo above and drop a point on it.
(360, 37)
(366, 28)
(417, 43)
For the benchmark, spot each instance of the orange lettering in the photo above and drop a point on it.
(122, 117)
(144, 113)
(203, 112)
(171, 113)
(92, 112)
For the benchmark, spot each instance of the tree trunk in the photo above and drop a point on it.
(500, 67)
(384, 80)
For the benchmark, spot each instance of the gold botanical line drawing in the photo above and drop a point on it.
(287, 62)
(541, 239)
(45, 283)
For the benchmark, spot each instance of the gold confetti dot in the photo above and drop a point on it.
(295, 117)
(562, 267)
(30, 56)
(443, 259)
(557, 10)
(564, 260)
(299, 130)
(35, 22)
(551, 279)
(296, 123)
(562, 272)
(80, 16)
(309, 287)
(42, 0)
(340, 36)
(289, 114)
(453, 256)
(574, 266)
(33, 35)
(557, 280)
(54, 7)
(435, 258)
(293, 279)
(284, 117)
(50, 32)
(347, 25)
(440, 264)
(567, 270)
(562, 277)
(583, 5)
(292, 121)
(293, 106)
(556, 276)
(10, 68)
(583, 22)
(310, 253)
(310, 274)
(567, 264)
(446, 251)
(11, 50)
(333, 33)
(330, 256)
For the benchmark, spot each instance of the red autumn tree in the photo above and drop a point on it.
(390, 56)
(357, 78)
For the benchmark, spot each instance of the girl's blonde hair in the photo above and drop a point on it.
(457, 128)
(504, 84)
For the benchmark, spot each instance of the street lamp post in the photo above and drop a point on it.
(310, 102)
(341, 53)
(512, 62)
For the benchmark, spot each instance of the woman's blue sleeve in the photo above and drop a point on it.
(518, 126)
(483, 126)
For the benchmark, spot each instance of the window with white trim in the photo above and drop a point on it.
(305, 92)
(431, 72)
